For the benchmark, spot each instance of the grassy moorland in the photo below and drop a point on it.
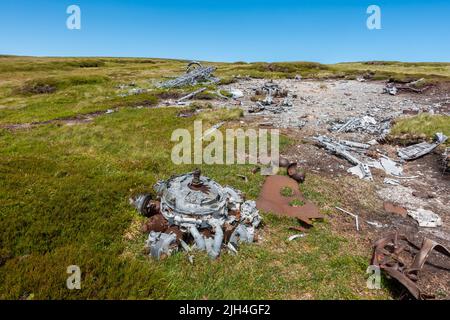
(64, 190)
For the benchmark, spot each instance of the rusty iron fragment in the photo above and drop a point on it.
(389, 207)
(389, 254)
(271, 200)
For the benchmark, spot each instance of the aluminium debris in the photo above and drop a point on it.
(390, 181)
(352, 215)
(277, 100)
(190, 95)
(360, 169)
(192, 76)
(418, 150)
(394, 88)
(343, 148)
(388, 165)
(236, 93)
(425, 218)
(296, 236)
(365, 124)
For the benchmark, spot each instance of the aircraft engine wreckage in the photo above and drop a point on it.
(195, 212)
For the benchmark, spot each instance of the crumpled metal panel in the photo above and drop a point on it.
(192, 77)
(418, 150)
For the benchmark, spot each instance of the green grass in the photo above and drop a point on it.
(64, 190)
(64, 194)
(424, 124)
(398, 70)
(287, 192)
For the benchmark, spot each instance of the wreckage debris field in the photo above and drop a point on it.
(78, 140)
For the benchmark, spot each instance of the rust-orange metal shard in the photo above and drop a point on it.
(271, 200)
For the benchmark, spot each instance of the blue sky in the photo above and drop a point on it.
(233, 30)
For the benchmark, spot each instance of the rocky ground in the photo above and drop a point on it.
(316, 107)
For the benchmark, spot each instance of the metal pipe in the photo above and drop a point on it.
(198, 238)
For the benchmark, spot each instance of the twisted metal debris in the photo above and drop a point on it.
(277, 100)
(389, 256)
(418, 150)
(195, 73)
(364, 124)
(361, 169)
(195, 212)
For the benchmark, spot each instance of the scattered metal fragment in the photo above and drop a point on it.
(389, 207)
(190, 95)
(161, 244)
(391, 181)
(388, 165)
(192, 76)
(132, 91)
(376, 224)
(366, 124)
(389, 255)
(296, 236)
(361, 169)
(236, 93)
(391, 89)
(197, 209)
(276, 101)
(353, 215)
(271, 200)
(418, 150)
(211, 130)
(408, 178)
(425, 218)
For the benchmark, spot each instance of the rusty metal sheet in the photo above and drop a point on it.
(271, 200)
(389, 207)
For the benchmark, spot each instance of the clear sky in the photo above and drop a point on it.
(229, 30)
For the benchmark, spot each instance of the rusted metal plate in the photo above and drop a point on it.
(271, 200)
(392, 208)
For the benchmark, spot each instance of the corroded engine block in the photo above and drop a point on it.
(195, 212)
